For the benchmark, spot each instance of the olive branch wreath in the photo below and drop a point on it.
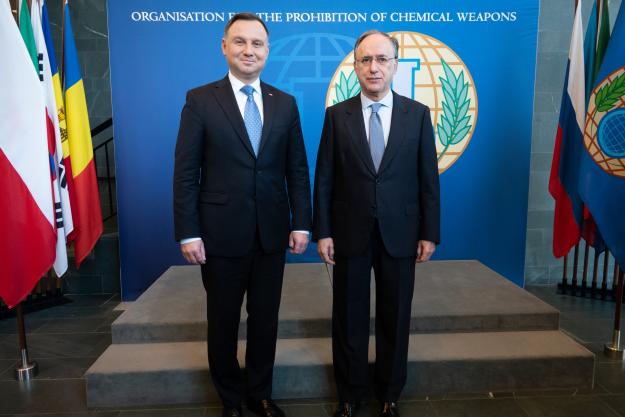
(454, 124)
(609, 94)
(347, 87)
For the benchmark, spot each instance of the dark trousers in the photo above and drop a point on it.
(394, 285)
(226, 280)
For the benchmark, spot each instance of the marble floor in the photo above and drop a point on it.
(65, 340)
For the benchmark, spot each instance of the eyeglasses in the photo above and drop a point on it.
(367, 60)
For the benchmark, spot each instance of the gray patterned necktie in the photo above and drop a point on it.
(251, 117)
(376, 135)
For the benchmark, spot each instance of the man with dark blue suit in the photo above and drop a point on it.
(241, 197)
(376, 205)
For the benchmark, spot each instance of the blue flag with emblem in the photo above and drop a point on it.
(602, 168)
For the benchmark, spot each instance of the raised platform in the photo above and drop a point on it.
(448, 296)
(467, 321)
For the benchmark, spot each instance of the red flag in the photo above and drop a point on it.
(27, 233)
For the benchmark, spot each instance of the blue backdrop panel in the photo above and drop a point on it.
(159, 49)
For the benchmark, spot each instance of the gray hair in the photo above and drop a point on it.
(391, 39)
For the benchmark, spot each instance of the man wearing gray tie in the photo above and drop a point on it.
(241, 197)
(376, 205)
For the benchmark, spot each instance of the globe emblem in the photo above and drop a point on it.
(604, 131)
(611, 134)
(432, 73)
(302, 64)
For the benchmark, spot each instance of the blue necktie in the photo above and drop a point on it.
(251, 117)
(376, 135)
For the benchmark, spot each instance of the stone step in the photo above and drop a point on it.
(177, 373)
(449, 296)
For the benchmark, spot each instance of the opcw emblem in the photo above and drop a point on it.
(430, 72)
(604, 133)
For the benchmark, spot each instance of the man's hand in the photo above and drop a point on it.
(193, 252)
(298, 242)
(425, 249)
(325, 248)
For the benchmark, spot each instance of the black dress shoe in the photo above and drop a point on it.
(389, 409)
(346, 409)
(265, 408)
(232, 412)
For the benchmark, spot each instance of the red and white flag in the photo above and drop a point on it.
(563, 180)
(27, 232)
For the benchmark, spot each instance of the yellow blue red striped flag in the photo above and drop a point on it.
(86, 206)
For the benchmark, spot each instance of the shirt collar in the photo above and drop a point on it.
(386, 101)
(238, 84)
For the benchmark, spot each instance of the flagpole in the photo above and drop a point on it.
(565, 273)
(575, 265)
(614, 349)
(595, 273)
(604, 280)
(24, 370)
(585, 269)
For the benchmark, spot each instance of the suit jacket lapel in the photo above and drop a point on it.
(356, 128)
(268, 113)
(225, 98)
(397, 134)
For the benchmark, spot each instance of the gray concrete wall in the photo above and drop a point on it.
(91, 35)
(556, 16)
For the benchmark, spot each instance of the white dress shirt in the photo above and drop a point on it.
(385, 112)
(241, 97)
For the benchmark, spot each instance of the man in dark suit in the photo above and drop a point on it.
(241, 196)
(376, 204)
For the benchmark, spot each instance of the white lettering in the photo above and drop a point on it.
(421, 17)
(177, 16)
(487, 16)
(319, 17)
(329, 17)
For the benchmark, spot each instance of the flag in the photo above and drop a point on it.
(595, 44)
(563, 180)
(86, 206)
(27, 236)
(603, 37)
(602, 164)
(26, 31)
(62, 209)
(60, 108)
(590, 48)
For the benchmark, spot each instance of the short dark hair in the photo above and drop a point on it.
(245, 16)
(391, 39)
